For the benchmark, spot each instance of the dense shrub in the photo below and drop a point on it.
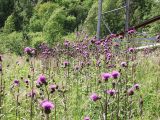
(9, 24)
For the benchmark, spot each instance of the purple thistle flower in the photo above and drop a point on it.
(87, 118)
(53, 88)
(131, 31)
(123, 64)
(136, 86)
(38, 83)
(26, 81)
(98, 63)
(94, 97)
(16, 82)
(32, 94)
(47, 106)
(158, 38)
(130, 91)
(131, 50)
(105, 76)
(65, 63)
(115, 74)
(76, 68)
(66, 43)
(28, 50)
(42, 79)
(111, 92)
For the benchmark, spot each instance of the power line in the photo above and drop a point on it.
(114, 10)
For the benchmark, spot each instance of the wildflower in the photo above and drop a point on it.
(111, 92)
(120, 36)
(28, 50)
(136, 86)
(42, 79)
(131, 31)
(94, 97)
(123, 64)
(130, 91)
(158, 37)
(26, 81)
(115, 74)
(16, 82)
(32, 94)
(98, 63)
(66, 43)
(87, 118)
(98, 42)
(65, 63)
(105, 76)
(47, 106)
(38, 83)
(53, 88)
(131, 50)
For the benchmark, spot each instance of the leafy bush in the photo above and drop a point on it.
(13, 43)
(9, 24)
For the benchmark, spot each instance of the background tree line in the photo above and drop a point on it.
(30, 22)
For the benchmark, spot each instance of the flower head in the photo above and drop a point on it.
(28, 50)
(32, 94)
(115, 74)
(87, 118)
(47, 106)
(123, 64)
(26, 81)
(136, 86)
(66, 43)
(111, 92)
(131, 50)
(105, 76)
(16, 82)
(42, 79)
(130, 91)
(53, 88)
(65, 63)
(94, 97)
(131, 31)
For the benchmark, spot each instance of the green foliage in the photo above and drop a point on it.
(6, 8)
(53, 29)
(9, 24)
(13, 42)
(36, 39)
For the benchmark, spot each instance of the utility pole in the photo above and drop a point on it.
(99, 19)
(127, 15)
